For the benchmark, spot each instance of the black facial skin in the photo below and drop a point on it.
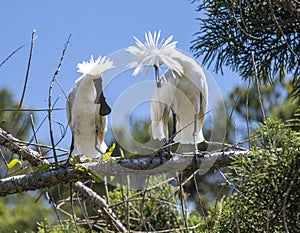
(100, 99)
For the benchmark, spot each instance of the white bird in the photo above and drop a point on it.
(86, 109)
(183, 89)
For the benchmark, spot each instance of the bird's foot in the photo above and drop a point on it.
(161, 154)
(66, 165)
(198, 153)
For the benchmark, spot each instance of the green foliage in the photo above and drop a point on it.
(277, 100)
(155, 209)
(232, 31)
(267, 197)
(16, 122)
(68, 226)
(20, 213)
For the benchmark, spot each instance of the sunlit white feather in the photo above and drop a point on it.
(154, 52)
(82, 112)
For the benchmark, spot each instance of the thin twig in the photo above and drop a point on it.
(161, 205)
(15, 51)
(200, 200)
(50, 99)
(33, 37)
(239, 25)
(227, 181)
(144, 198)
(29, 109)
(3, 158)
(98, 203)
(258, 89)
(84, 211)
(28, 69)
(128, 204)
(181, 197)
(106, 190)
(34, 133)
(51, 201)
(72, 207)
(13, 144)
(280, 29)
(247, 116)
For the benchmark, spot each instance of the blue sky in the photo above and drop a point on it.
(98, 28)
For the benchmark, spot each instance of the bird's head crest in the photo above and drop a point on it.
(154, 52)
(95, 67)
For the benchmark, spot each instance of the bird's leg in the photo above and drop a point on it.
(67, 163)
(195, 135)
(171, 139)
(167, 148)
(160, 152)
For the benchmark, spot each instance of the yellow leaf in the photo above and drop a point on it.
(82, 168)
(107, 155)
(13, 163)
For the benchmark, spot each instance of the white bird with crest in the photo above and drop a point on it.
(87, 109)
(182, 89)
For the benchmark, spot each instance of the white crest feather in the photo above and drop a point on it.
(154, 52)
(95, 67)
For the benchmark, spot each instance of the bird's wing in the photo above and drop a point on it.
(202, 112)
(156, 113)
(69, 105)
(161, 103)
(101, 128)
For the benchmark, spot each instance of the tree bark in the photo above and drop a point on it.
(138, 166)
(132, 166)
(15, 146)
(21, 183)
(99, 204)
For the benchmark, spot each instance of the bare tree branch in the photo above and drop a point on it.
(15, 146)
(50, 98)
(124, 167)
(15, 51)
(21, 183)
(99, 204)
(130, 166)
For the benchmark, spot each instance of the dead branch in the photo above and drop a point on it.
(99, 204)
(139, 166)
(15, 146)
(21, 183)
(50, 98)
(179, 162)
(14, 52)
(131, 166)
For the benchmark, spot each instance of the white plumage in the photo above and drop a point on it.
(182, 89)
(83, 109)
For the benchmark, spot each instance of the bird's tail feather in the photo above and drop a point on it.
(186, 135)
(157, 130)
